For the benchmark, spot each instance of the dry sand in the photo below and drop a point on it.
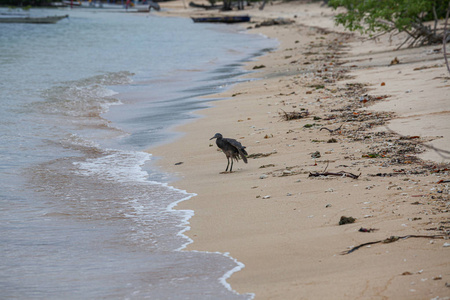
(281, 223)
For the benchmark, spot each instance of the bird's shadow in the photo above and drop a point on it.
(226, 172)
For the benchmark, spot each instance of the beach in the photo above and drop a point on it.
(85, 214)
(354, 148)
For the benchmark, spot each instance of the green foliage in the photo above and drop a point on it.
(371, 16)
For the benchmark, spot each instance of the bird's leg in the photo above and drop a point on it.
(228, 159)
(231, 169)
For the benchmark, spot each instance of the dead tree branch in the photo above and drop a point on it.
(331, 130)
(393, 239)
(444, 41)
(339, 174)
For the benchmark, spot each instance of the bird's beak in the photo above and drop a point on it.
(212, 138)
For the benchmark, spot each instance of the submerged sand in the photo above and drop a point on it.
(272, 216)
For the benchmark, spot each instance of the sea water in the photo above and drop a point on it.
(84, 214)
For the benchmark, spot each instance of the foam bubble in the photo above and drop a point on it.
(120, 166)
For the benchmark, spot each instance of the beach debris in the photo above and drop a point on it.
(446, 245)
(395, 61)
(331, 130)
(373, 155)
(267, 166)
(362, 229)
(178, 163)
(443, 181)
(339, 174)
(383, 83)
(267, 197)
(316, 154)
(332, 140)
(263, 176)
(407, 273)
(259, 67)
(428, 67)
(258, 155)
(293, 115)
(346, 220)
(328, 205)
(317, 86)
(277, 21)
(364, 98)
(394, 239)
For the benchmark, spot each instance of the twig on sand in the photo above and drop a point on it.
(393, 239)
(331, 130)
(293, 115)
(340, 174)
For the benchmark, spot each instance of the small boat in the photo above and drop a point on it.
(222, 19)
(33, 20)
(72, 3)
(207, 7)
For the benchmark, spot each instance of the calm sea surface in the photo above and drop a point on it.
(84, 214)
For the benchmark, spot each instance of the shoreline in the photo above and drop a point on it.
(283, 225)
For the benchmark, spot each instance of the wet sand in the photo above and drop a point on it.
(272, 216)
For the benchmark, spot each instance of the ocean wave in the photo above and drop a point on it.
(87, 97)
(119, 166)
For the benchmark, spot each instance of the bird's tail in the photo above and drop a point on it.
(243, 154)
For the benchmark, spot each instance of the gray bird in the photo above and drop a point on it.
(232, 149)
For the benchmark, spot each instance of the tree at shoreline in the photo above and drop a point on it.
(418, 18)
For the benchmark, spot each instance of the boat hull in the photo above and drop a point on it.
(43, 20)
(222, 19)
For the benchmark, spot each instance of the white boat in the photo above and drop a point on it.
(34, 20)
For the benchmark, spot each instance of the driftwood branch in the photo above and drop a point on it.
(339, 174)
(444, 42)
(331, 130)
(393, 239)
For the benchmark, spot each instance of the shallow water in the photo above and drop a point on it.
(84, 214)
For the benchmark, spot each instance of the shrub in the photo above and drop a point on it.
(410, 16)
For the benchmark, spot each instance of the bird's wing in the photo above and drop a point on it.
(234, 143)
(239, 147)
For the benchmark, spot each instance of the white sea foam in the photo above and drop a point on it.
(120, 166)
(187, 215)
(228, 274)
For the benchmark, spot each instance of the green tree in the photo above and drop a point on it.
(383, 16)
